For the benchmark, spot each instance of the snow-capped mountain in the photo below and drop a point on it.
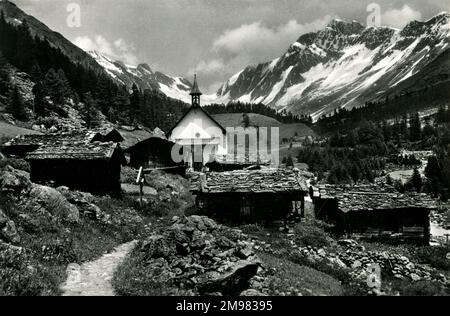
(144, 77)
(345, 65)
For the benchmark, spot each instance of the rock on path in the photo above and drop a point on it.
(94, 278)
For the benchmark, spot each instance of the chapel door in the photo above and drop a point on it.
(197, 157)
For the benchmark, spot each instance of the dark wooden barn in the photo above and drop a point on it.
(375, 212)
(85, 166)
(154, 152)
(260, 196)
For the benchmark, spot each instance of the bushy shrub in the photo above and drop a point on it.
(422, 288)
(128, 175)
(434, 256)
(352, 287)
(22, 275)
(310, 234)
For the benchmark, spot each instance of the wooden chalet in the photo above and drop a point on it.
(78, 164)
(374, 212)
(248, 196)
(154, 152)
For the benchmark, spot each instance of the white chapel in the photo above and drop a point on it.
(200, 135)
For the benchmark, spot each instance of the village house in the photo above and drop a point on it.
(154, 152)
(374, 211)
(86, 166)
(248, 196)
(199, 134)
(247, 145)
(88, 160)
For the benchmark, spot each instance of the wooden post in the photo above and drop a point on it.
(140, 182)
(141, 192)
(302, 207)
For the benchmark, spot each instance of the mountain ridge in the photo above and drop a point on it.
(144, 77)
(343, 65)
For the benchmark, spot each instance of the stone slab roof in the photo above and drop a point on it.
(74, 149)
(373, 197)
(47, 139)
(252, 158)
(250, 181)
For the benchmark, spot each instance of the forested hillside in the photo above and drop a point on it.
(56, 79)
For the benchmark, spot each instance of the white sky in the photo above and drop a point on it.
(216, 38)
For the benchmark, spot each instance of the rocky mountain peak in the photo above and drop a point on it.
(343, 65)
(144, 67)
(346, 27)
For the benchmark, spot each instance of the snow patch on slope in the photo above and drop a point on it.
(278, 86)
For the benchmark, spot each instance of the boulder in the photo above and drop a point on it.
(246, 252)
(229, 282)
(338, 262)
(158, 246)
(9, 233)
(178, 234)
(415, 277)
(198, 241)
(202, 257)
(14, 181)
(357, 264)
(3, 218)
(53, 129)
(76, 197)
(252, 292)
(55, 203)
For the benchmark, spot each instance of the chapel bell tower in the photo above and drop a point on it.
(195, 93)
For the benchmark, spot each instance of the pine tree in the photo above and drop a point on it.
(89, 111)
(441, 116)
(66, 90)
(40, 103)
(135, 103)
(121, 100)
(389, 180)
(16, 105)
(36, 72)
(289, 161)
(245, 120)
(416, 180)
(415, 129)
(5, 82)
(57, 85)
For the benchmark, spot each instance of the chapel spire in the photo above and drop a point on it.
(195, 93)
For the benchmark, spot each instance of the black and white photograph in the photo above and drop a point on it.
(222, 154)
